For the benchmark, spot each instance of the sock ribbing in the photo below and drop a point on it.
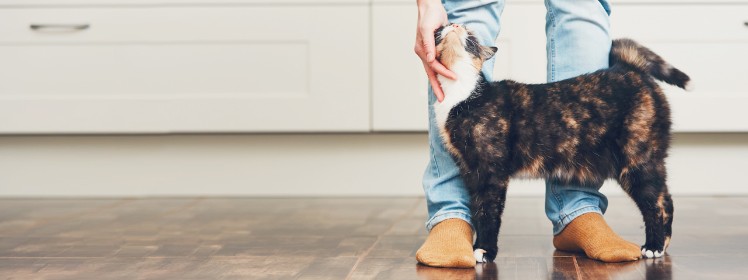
(449, 244)
(589, 233)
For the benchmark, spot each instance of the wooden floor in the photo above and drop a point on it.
(335, 238)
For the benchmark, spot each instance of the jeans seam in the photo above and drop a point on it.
(559, 199)
(552, 45)
(436, 164)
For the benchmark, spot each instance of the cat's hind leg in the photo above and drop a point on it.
(647, 187)
(488, 201)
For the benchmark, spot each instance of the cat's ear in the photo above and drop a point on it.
(487, 52)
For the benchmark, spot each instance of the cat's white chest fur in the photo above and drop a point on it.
(455, 91)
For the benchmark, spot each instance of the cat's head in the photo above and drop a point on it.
(457, 47)
(458, 50)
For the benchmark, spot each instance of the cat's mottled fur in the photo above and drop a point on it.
(613, 123)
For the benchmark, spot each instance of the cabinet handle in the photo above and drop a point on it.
(71, 27)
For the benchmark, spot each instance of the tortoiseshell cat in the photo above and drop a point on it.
(613, 123)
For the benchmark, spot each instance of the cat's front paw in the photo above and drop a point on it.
(485, 255)
(480, 255)
(650, 253)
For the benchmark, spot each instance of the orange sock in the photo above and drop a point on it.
(589, 233)
(449, 244)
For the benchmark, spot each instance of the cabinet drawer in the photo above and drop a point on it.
(710, 44)
(185, 69)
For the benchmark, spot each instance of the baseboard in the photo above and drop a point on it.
(293, 165)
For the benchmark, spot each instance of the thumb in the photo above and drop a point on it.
(427, 37)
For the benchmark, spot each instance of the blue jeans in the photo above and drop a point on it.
(578, 42)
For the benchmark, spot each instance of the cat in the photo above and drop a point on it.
(612, 123)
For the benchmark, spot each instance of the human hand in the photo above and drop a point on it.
(431, 15)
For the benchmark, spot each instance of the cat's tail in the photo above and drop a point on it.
(628, 52)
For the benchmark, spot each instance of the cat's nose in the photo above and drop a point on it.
(455, 25)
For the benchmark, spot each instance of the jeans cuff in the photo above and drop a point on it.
(448, 215)
(559, 225)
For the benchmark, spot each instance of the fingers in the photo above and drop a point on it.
(427, 37)
(437, 67)
(427, 52)
(419, 48)
(435, 86)
(437, 89)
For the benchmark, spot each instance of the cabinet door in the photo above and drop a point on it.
(707, 42)
(266, 68)
(399, 84)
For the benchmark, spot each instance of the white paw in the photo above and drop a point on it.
(689, 86)
(478, 253)
(652, 254)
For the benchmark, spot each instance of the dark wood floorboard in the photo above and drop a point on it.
(334, 238)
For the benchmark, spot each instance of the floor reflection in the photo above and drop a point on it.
(560, 266)
(427, 272)
(660, 268)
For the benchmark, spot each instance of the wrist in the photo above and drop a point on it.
(426, 4)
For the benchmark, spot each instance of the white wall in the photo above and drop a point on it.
(292, 164)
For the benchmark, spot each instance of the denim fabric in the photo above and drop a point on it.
(578, 42)
(446, 196)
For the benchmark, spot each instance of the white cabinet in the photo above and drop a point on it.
(399, 94)
(707, 41)
(142, 69)
(144, 66)
(710, 44)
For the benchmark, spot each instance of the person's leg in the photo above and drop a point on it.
(578, 42)
(450, 241)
